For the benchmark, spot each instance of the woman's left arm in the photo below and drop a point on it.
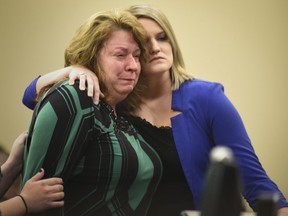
(87, 79)
(228, 129)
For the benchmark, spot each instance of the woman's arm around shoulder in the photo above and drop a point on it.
(87, 80)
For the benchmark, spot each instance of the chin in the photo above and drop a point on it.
(156, 70)
(127, 90)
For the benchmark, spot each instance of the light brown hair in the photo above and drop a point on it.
(90, 38)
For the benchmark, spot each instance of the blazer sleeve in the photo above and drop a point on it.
(30, 94)
(228, 129)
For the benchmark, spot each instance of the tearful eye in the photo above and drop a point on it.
(120, 55)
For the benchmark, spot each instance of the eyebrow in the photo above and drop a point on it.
(125, 48)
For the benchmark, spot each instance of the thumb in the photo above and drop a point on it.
(38, 175)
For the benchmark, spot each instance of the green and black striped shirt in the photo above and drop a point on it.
(107, 167)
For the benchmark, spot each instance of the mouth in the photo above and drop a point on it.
(155, 59)
(128, 80)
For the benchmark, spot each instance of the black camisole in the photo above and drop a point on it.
(173, 194)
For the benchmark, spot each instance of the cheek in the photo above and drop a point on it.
(139, 68)
(169, 52)
(170, 56)
(171, 59)
(143, 66)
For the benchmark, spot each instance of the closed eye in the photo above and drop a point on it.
(162, 37)
(137, 57)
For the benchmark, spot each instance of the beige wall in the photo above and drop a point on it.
(242, 44)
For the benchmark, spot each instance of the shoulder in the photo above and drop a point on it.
(59, 87)
(200, 85)
(198, 93)
(198, 88)
(64, 94)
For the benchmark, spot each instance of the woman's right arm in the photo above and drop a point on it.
(75, 72)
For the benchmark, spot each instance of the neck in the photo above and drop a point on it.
(157, 100)
(158, 86)
(112, 103)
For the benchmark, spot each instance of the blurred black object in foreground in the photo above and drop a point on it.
(267, 204)
(222, 194)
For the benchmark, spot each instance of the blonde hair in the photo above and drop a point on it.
(90, 37)
(178, 72)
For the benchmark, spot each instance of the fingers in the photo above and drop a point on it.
(77, 73)
(22, 137)
(54, 181)
(94, 89)
(53, 184)
(55, 193)
(57, 196)
(74, 74)
(90, 87)
(82, 81)
(16, 154)
(56, 204)
(38, 176)
(87, 80)
(72, 77)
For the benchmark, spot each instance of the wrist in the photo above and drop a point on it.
(12, 166)
(52, 77)
(24, 204)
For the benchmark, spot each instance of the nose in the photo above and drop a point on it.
(132, 64)
(154, 47)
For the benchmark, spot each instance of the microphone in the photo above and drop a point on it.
(222, 193)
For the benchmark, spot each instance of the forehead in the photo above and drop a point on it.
(150, 25)
(121, 38)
